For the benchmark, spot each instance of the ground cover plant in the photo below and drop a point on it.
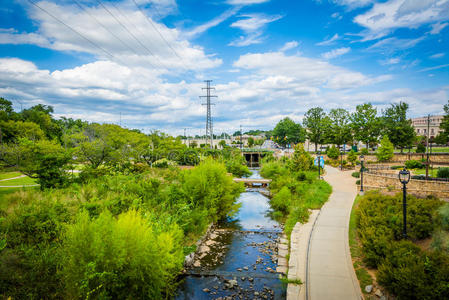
(295, 187)
(403, 268)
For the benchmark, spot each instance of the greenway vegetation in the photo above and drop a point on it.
(295, 187)
(121, 225)
(413, 268)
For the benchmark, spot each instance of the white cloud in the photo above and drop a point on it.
(246, 2)
(337, 16)
(385, 17)
(289, 45)
(335, 53)
(394, 44)
(212, 23)
(434, 68)
(390, 61)
(437, 55)
(88, 36)
(252, 25)
(352, 4)
(330, 41)
(437, 27)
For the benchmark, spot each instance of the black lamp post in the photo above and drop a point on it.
(341, 162)
(362, 160)
(404, 178)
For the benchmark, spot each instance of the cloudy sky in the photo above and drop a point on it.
(146, 59)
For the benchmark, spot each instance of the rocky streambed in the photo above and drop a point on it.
(238, 259)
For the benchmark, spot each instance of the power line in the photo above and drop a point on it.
(75, 31)
(121, 24)
(104, 27)
(155, 28)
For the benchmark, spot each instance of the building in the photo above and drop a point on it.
(421, 126)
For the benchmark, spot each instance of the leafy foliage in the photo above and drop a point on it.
(386, 150)
(443, 173)
(287, 132)
(397, 126)
(333, 152)
(414, 164)
(365, 124)
(317, 124)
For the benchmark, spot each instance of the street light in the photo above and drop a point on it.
(404, 178)
(362, 160)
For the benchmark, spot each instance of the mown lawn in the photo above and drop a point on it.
(18, 182)
(7, 175)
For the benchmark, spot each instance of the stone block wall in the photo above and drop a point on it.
(420, 188)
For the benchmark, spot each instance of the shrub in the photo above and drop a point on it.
(208, 186)
(121, 258)
(396, 167)
(333, 152)
(409, 273)
(237, 168)
(364, 151)
(163, 163)
(355, 174)
(272, 169)
(357, 182)
(443, 173)
(301, 159)
(386, 150)
(420, 148)
(281, 201)
(444, 215)
(414, 164)
(380, 221)
(352, 157)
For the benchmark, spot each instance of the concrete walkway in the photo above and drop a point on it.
(330, 271)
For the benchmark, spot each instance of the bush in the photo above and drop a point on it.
(444, 215)
(443, 173)
(396, 167)
(409, 273)
(380, 221)
(301, 159)
(420, 148)
(237, 168)
(333, 152)
(281, 201)
(163, 163)
(364, 151)
(121, 258)
(414, 164)
(355, 174)
(357, 182)
(385, 151)
(352, 157)
(208, 186)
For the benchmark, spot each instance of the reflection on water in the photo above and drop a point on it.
(249, 244)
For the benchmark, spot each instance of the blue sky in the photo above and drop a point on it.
(147, 59)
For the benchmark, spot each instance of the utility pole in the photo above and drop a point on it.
(427, 147)
(209, 128)
(241, 143)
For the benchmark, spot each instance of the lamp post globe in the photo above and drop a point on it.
(404, 178)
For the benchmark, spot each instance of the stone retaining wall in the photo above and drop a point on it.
(420, 188)
(435, 158)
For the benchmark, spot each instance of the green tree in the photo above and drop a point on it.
(386, 150)
(301, 159)
(41, 115)
(317, 124)
(352, 157)
(6, 109)
(340, 127)
(222, 144)
(287, 132)
(445, 125)
(13, 130)
(397, 127)
(45, 160)
(250, 142)
(365, 124)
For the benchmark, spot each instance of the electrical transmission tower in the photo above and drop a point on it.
(209, 130)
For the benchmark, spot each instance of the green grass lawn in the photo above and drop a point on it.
(440, 149)
(18, 181)
(6, 175)
(432, 172)
(4, 192)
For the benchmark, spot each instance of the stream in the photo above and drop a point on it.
(239, 258)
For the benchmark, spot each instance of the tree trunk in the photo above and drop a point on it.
(316, 146)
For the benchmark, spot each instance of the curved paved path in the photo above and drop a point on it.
(330, 271)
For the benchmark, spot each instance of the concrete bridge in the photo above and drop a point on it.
(254, 156)
(254, 182)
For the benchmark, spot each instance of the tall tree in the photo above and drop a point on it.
(365, 124)
(445, 125)
(316, 123)
(397, 127)
(340, 127)
(287, 132)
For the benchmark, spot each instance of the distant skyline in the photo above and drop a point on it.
(146, 60)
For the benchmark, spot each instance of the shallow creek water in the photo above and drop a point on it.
(239, 258)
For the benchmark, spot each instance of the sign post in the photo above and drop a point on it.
(319, 161)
